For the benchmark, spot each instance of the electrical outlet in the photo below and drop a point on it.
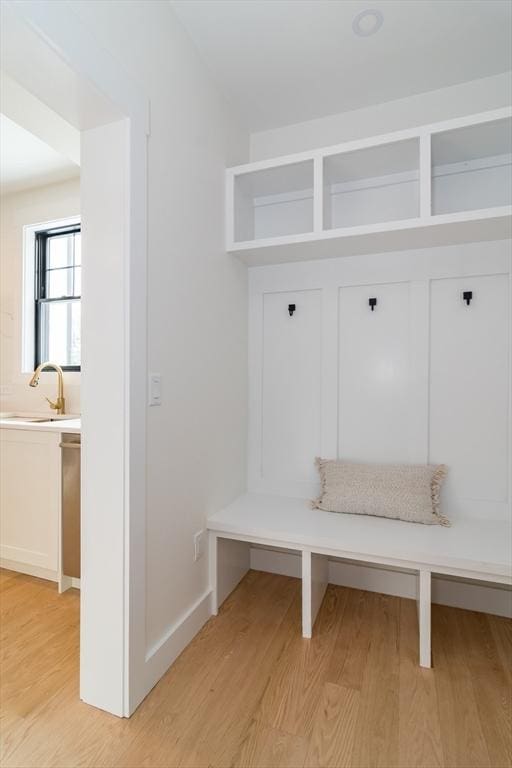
(155, 389)
(199, 544)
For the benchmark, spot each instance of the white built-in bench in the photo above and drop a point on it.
(472, 548)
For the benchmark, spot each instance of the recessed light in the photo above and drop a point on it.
(367, 22)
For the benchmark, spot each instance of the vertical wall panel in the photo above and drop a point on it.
(291, 386)
(470, 385)
(374, 373)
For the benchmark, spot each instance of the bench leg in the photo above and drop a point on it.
(229, 561)
(212, 565)
(424, 611)
(315, 577)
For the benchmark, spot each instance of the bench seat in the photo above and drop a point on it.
(470, 548)
(479, 549)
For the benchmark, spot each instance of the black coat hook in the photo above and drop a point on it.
(467, 296)
(372, 303)
(291, 309)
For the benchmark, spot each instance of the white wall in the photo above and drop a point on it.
(34, 206)
(456, 101)
(104, 244)
(197, 300)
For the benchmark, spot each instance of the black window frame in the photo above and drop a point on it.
(42, 239)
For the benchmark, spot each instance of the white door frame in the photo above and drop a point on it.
(56, 58)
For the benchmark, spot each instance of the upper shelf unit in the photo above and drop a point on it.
(436, 185)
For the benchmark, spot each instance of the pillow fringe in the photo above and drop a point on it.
(437, 480)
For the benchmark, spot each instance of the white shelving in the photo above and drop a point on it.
(274, 202)
(440, 184)
(471, 167)
(372, 185)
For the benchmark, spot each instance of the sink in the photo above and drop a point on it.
(25, 419)
(36, 419)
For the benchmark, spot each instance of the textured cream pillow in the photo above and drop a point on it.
(405, 491)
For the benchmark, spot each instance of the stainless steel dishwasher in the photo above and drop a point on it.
(70, 446)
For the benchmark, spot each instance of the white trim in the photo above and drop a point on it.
(163, 653)
(29, 570)
(68, 582)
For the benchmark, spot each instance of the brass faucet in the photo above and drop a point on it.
(59, 404)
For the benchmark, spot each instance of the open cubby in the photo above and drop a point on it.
(372, 185)
(471, 167)
(274, 202)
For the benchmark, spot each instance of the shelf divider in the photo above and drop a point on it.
(425, 175)
(318, 193)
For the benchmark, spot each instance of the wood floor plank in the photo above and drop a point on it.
(419, 733)
(376, 739)
(501, 631)
(249, 691)
(265, 747)
(349, 658)
(292, 696)
(464, 745)
(332, 739)
(491, 686)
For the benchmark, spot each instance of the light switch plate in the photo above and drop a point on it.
(155, 389)
(199, 544)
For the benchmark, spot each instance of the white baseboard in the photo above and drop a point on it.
(68, 582)
(458, 593)
(160, 657)
(29, 570)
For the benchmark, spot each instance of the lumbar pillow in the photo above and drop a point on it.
(404, 491)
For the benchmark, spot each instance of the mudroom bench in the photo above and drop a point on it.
(479, 549)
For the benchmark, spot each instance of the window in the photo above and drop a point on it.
(58, 275)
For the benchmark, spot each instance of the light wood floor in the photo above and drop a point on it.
(249, 691)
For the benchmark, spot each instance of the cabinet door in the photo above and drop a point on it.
(374, 373)
(291, 387)
(470, 385)
(30, 498)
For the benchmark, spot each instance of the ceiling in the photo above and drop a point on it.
(285, 61)
(26, 161)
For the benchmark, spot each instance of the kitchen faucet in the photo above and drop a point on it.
(59, 404)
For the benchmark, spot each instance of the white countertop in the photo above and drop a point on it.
(65, 423)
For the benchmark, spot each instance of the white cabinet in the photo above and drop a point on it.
(30, 490)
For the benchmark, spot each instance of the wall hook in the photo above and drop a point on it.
(291, 309)
(467, 296)
(372, 303)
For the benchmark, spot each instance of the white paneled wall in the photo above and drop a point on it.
(374, 373)
(470, 386)
(291, 381)
(423, 377)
